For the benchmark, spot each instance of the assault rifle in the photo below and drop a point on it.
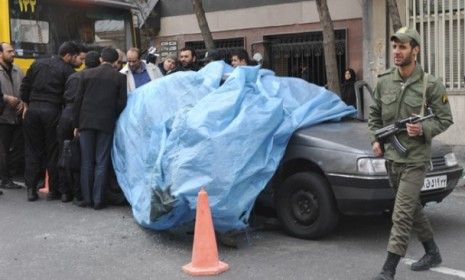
(390, 132)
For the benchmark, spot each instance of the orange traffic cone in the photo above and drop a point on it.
(204, 252)
(45, 188)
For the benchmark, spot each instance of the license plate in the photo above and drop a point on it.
(434, 183)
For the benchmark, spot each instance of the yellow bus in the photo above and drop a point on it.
(36, 28)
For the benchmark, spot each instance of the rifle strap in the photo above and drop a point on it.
(425, 85)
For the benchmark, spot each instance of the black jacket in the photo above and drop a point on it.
(71, 87)
(45, 80)
(348, 93)
(190, 67)
(101, 97)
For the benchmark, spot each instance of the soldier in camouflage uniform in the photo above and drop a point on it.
(399, 93)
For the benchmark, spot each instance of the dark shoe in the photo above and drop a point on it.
(53, 195)
(389, 267)
(432, 258)
(384, 275)
(99, 206)
(80, 202)
(228, 241)
(66, 197)
(32, 194)
(8, 184)
(1, 192)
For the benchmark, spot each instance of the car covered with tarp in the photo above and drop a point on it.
(220, 128)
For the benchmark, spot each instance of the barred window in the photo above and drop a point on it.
(441, 24)
(220, 44)
(302, 55)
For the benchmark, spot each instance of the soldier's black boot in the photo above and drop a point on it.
(389, 267)
(32, 194)
(431, 259)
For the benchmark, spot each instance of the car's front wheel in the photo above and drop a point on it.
(306, 206)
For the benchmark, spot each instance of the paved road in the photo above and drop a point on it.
(52, 240)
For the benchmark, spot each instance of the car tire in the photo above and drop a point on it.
(306, 206)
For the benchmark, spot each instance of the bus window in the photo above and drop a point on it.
(29, 31)
(110, 32)
(40, 31)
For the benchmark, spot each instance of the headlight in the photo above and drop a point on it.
(371, 166)
(450, 159)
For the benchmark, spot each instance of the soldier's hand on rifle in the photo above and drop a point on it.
(377, 150)
(414, 129)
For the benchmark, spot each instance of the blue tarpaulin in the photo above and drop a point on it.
(222, 128)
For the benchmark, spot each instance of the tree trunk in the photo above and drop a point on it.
(203, 24)
(394, 15)
(329, 45)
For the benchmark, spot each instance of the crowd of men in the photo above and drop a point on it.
(53, 105)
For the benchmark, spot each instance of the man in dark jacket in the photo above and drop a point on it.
(42, 90)
(188, 60)
(69, 185)
(100, 98)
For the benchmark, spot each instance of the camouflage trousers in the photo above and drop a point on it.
(408, 216)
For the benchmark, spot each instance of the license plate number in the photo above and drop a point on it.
(434, 183)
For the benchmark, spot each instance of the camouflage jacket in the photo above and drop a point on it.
(395, 99)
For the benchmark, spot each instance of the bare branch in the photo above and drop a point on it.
(203, 24)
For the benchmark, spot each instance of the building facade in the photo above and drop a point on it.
(288, 35)
(441, 26)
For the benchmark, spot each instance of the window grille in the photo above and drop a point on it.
(442, 29)
(220, 44)
(302, 55)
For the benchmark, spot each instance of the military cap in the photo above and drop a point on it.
(405, 35)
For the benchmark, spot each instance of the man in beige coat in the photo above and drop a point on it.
(137, 71)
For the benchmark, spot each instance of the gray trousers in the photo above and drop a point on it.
(407, 180)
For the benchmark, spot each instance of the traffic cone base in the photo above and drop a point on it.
(205, 271)
(205, 259)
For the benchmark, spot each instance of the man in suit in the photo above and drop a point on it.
(95, 124)
(68, 179)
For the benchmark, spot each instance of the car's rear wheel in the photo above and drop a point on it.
(305, 206)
